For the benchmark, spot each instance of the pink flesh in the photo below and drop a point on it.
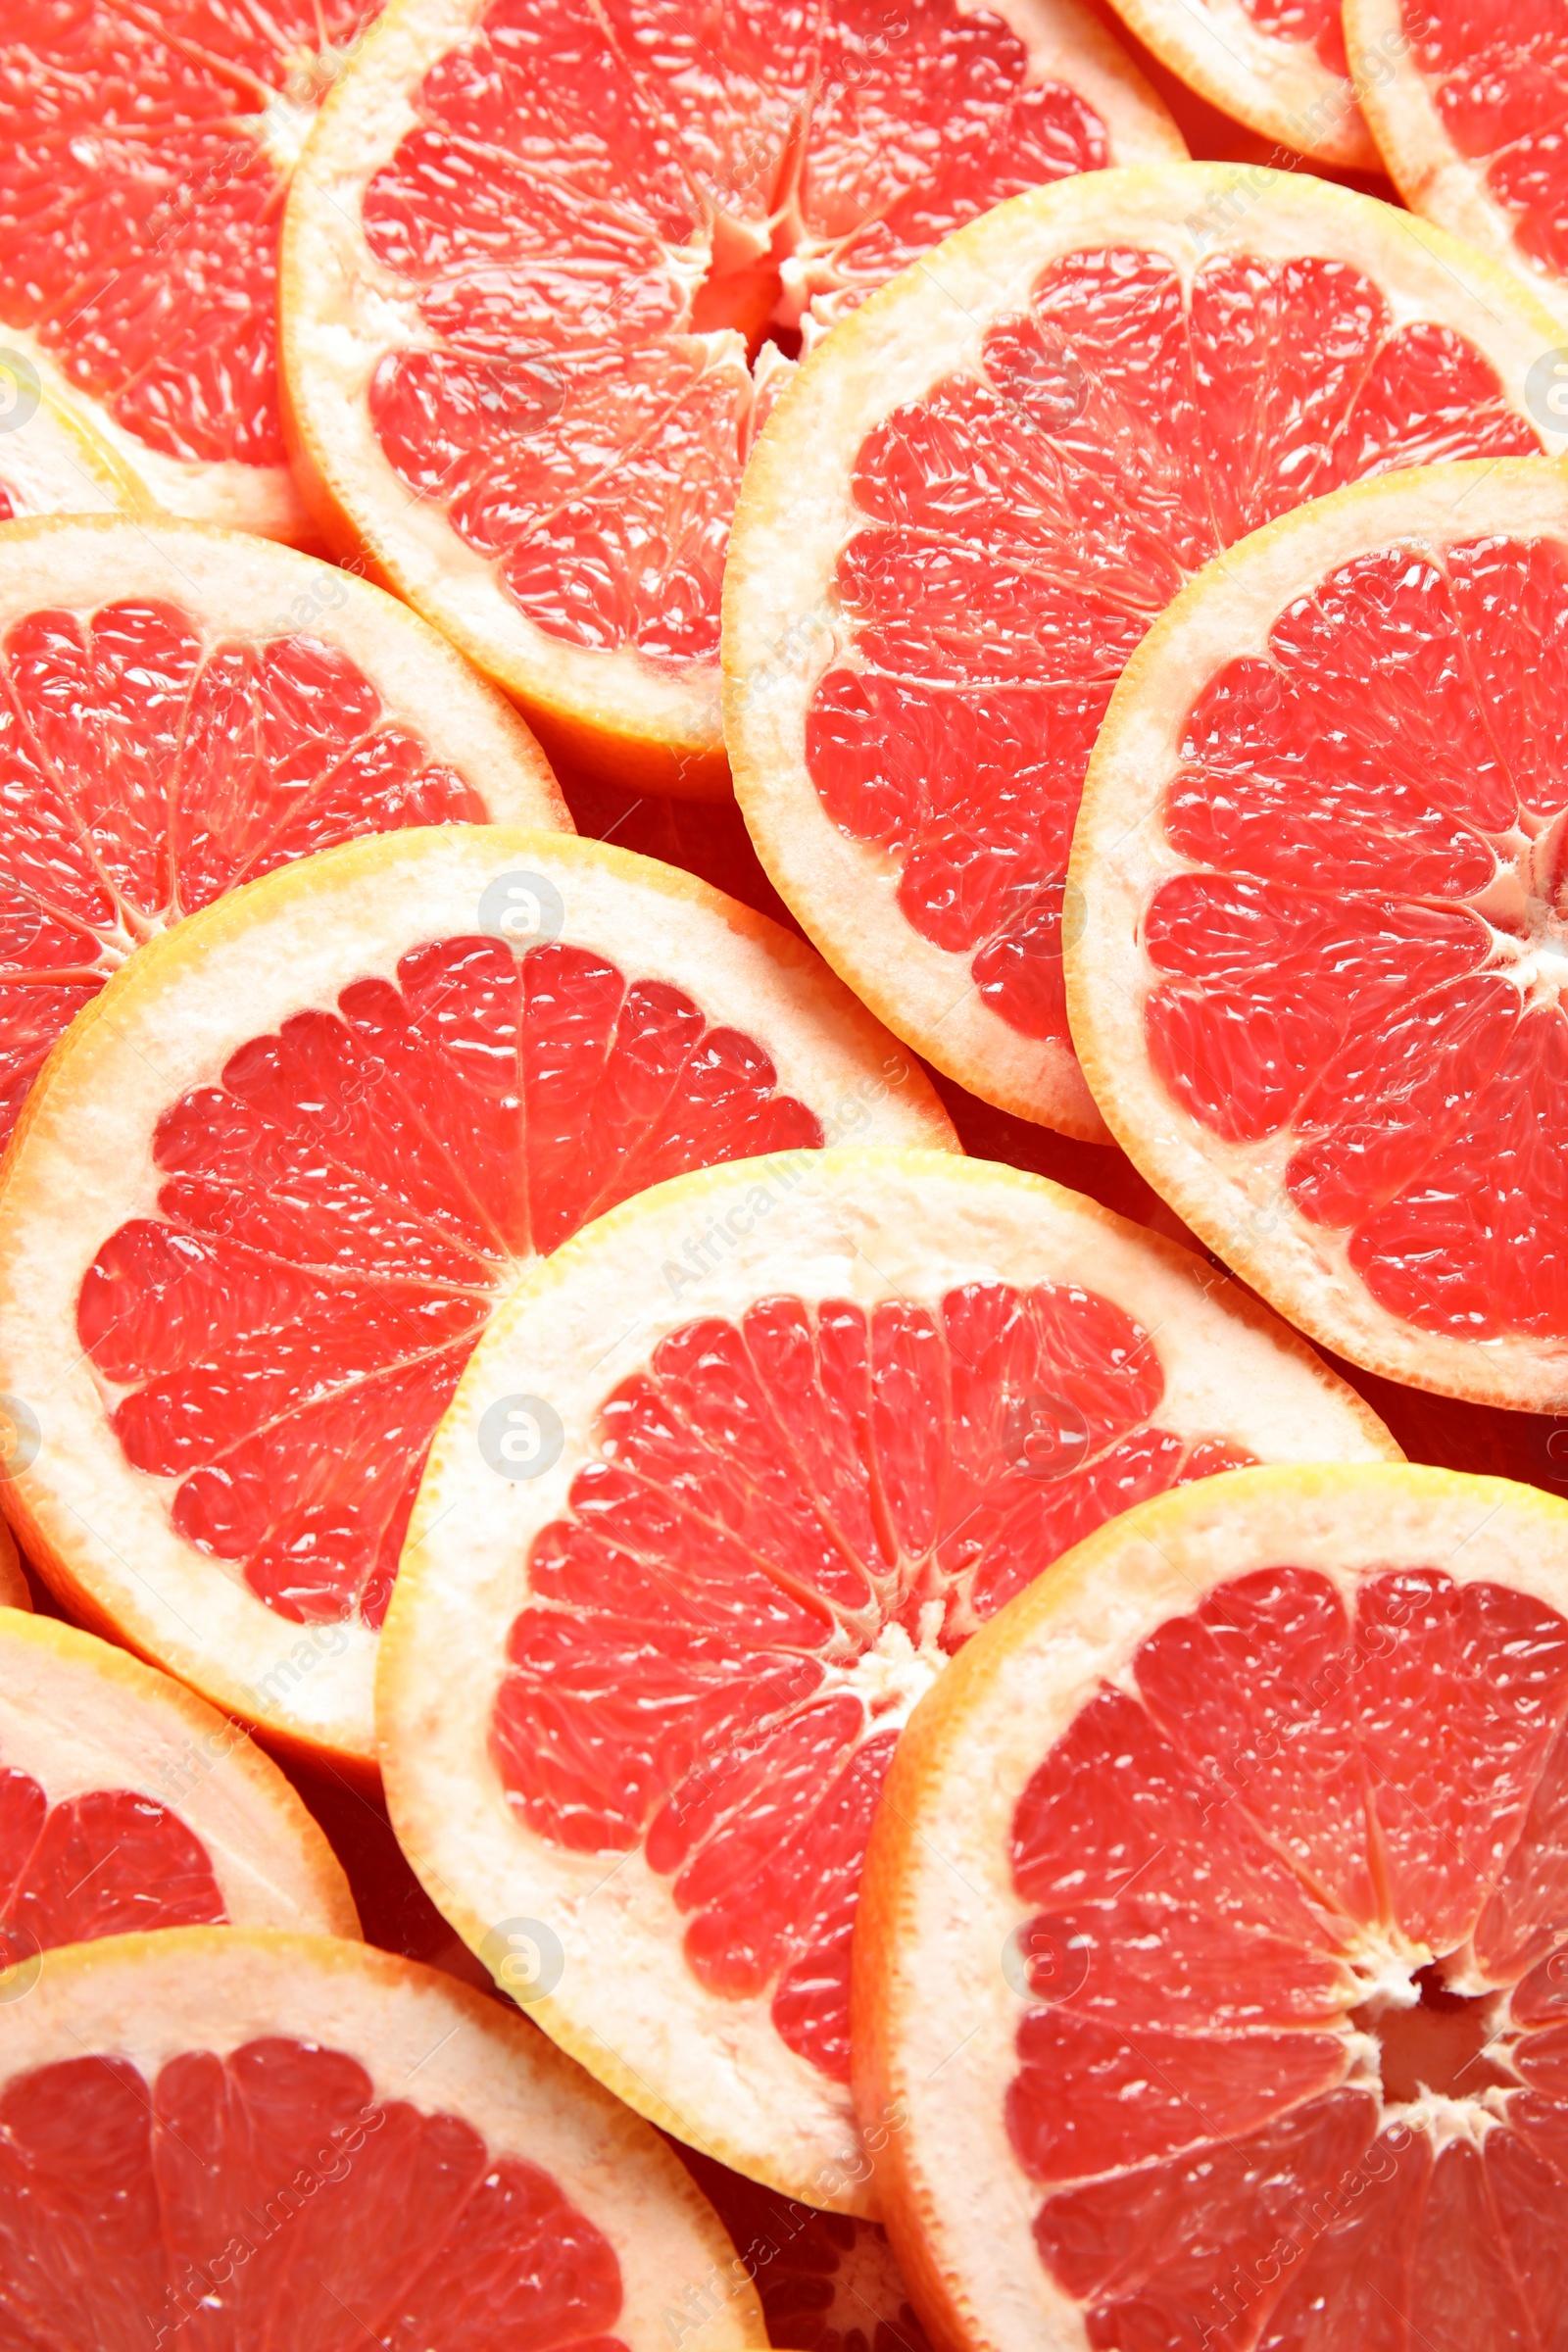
(1199, 1853)
(570, 179)
(232, 2198)
(1315, 24)
(338, 1211)
(139, 211)
(1324, 971)
(770, 1500)
(108, 1863)
(1498, 73)
(146, 767)
(1023, 530)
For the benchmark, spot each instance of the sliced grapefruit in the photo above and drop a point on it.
(14, 1592)
(51, 460)
(1214, 1950)
(146, 151)
(1316, 983)
(181, 710)
(1469, 105)
(976, 498)
(531, 250)
(1278, 65)
(239, 2138)
(809, 1424)
(126, 1803)
(268, 1191)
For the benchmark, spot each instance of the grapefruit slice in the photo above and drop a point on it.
(1317, 987)
(146, 154)
(531, 250)
(51, 460)
(1278, 65)
(266, 1194)
(14, 1592)
(1014, 459)
(181, 710)
(216, 2135)
(127, 1803)
(1469, 105)
(1214, 1940)
(810, 1422)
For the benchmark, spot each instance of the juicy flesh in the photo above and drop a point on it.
(602, 213)
(340, 1212)
(1497, 74)
(1025, 525)
(145, 164)
(108, 1863)
(1365, 963)
(1312, 24)
(1296, 1824)
(146, 767)
(232, 2198)
(794, 1521)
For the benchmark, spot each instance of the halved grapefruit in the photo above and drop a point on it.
(532, 249)
(51, 460)
(126, 1803)
(182, 710)
(1321, 863)
(1279, 66)
(780, 1438)
(265, 1197)
(1214, 1950)
(146, 150)
(1469, 105)
(974, 499)
(239, 2138)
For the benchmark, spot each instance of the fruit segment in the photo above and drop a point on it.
(104, 1864)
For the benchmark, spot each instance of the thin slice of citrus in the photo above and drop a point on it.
(1279, 66)
(979, 495)
(126, 1803)
(1468, 100)
(181, 710)
(532, 249)
(810, 1423)
(51, 460)
(266, 1194)
(1316, 984)
(236, 2138)
(146, 149)
(1215, 1949)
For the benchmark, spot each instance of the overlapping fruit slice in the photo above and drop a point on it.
(1278, 65)
(1468, 100)
(1213, 1944)
(182, 710)
(146, 154)
(543, 268)
(126, 1803)
(1018, 456)
(724, 1488)
(51, 460)
(205, 2132)
(272, 1185)
(1317, 989)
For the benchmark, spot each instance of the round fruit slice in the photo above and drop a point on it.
(1469, 105)
(724, 1490)
(215, 2129)
(1214, 1950)
(264, 1198)
(146, 153)
(1015, 458)
(181, 710)
(542, 269)
(1279, 66)
(51, 461)
(126, 1803)
(1325, 930)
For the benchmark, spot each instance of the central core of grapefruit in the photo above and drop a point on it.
(1435, 2043)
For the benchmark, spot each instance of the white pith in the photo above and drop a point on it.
(783, 620)
(55, 463)
(81, 1165)
(80, 1716)
(1279, 88)
(425, 2042)
(1233, 1193)
(860, 1225)
(617, 713)
(943, 1903)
